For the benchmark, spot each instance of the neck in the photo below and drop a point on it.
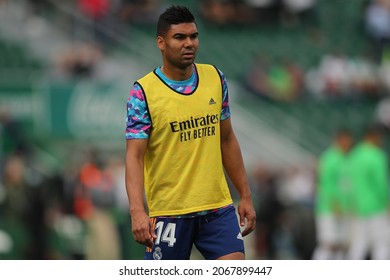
(177, 74)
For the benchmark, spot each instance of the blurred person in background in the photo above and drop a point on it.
(333, 71)
(27, 197)
(377, 24)
(382, 113)
(384, 73)
(255, 78)
(218, 11)
(370, 230)
(269, 211)
(93, 202)
(332, 196)
(339, 77)
(224, 12)
(179, 140)
(97, 20)
(264, 11)
(139, 11)
(295, 11)
(80, 61)
(297, 195)
(13, 136)
(363, 75)
(285, 80)
(279, 80)
(15, 206)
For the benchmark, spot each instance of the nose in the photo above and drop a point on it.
(188, 42)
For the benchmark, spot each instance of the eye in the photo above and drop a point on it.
(194, 36)
(179, 36)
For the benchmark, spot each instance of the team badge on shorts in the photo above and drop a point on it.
(157, 255)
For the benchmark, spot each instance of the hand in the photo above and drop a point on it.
(142, 228)
(247, 215)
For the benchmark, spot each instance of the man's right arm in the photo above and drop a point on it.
(142, 229)
(138, 125)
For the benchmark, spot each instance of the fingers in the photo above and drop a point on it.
(143, 237)
(149, 243)
(242, 219)
(144, 233)
(251, 224)
(250, 218)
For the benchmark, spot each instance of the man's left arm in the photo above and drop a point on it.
(234, 166)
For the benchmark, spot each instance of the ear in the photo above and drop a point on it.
(160, 43)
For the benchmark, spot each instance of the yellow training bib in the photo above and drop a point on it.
(183, 163)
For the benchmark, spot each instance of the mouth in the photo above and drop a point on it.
(188, 55)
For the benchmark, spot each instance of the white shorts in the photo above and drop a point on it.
(370, 235)
(332, 229)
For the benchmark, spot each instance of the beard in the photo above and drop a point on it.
(181, 62)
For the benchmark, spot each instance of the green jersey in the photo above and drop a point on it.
(333, 189)
(369, 170)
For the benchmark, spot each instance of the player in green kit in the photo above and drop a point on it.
(332, 199)
(370, 234)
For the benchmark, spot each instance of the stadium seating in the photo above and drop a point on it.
(17, 67)
(311, 123)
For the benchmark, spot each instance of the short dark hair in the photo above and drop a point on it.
(343, 131)
(173, 15)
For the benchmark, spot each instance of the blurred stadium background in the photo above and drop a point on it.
(297, 71)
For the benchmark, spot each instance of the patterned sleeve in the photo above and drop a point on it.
(225, 113)
(138, 123)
